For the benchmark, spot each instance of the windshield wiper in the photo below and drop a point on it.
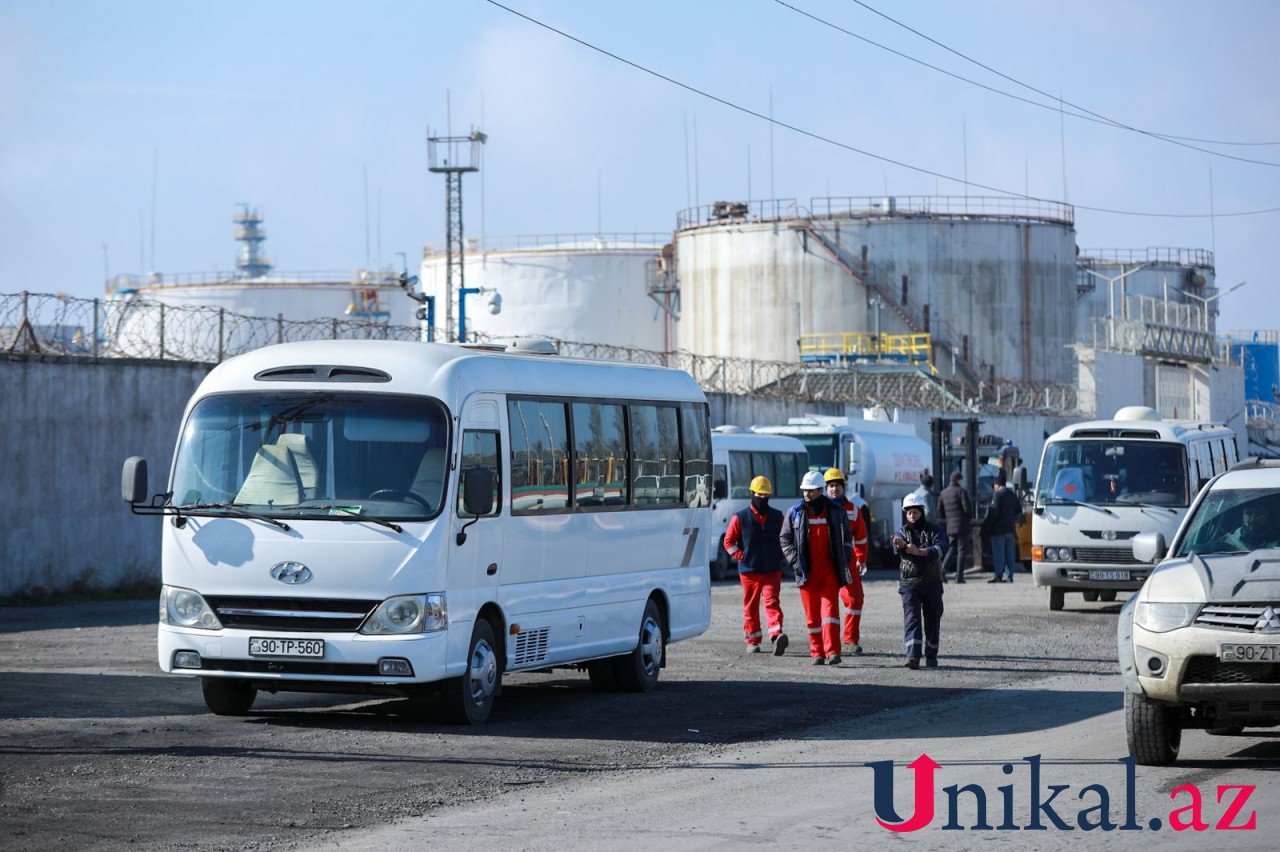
(233, 509)
(1169, 509)
(1065, 501)
(374, 519)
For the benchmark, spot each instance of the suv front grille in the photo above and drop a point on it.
(1232, 616)
(301, 615)
(1212, 670)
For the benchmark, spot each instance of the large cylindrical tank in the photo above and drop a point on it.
(205, 316)
(992, 280)
(605, 289)
(1177, 286)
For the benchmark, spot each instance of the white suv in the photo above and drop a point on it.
(1199, 644)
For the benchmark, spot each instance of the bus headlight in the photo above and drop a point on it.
(1163, 617)
(185, 608)
(407, 614)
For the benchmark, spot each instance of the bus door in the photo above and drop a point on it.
(477, 562)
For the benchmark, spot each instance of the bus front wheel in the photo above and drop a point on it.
(227, 696)
(468, 699)
(1056, 598)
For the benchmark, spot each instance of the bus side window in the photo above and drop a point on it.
(480, 449)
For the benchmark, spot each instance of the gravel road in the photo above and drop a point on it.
(98, 750)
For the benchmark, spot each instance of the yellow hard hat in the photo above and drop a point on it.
(833, 475)
(761, 485)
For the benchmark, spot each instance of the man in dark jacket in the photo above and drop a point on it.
(1000, 526)
(818, 544)
(919, 545)
(955, 513)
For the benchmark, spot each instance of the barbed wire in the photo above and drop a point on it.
(127, 326)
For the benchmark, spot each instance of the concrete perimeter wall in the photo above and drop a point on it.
(66, 427)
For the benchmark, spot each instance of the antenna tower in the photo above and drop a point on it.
(452, 156)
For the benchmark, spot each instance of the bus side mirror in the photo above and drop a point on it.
(477, 491)
(133, 481)
(719, 490)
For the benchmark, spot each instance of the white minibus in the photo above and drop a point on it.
(399, 518)
(738, 457)
(1102, 482)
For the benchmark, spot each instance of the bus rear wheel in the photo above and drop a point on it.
(469, 699)
(638, 671)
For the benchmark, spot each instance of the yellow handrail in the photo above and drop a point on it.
(860, 345)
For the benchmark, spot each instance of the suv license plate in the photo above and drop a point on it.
(1248, 653)
(1110, 575)
(284, 647)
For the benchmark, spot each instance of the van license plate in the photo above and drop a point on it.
(1110, 575)
(263, 647)
(1248, 653)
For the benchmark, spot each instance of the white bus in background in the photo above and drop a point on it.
(739, 456)
(405, 518)
(1102, 482)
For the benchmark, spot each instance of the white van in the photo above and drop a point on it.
(738, 457)
(397, 518)
(1105, 481)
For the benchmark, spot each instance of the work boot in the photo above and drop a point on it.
(817, 661)
(833, 660)
(853, 649)
(931, 662)
(780, 643)
(753, 649)
(913, 663)
(995, 580)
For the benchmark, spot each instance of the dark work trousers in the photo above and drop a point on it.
(921, 619)
(958, 557)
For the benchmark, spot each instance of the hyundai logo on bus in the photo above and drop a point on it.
(291, 573)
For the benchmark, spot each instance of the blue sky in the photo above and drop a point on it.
(130, 131)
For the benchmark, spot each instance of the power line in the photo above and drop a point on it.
(838, 144)
(1104, 119)
(1085, 114)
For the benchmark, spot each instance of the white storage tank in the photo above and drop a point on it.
(603, 289)
(992, 280)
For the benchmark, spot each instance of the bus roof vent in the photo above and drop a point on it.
(1138, 412)
(322, 373)
(532, 346)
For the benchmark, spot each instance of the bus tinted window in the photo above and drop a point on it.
(695, 432)
(539, 456)
(655, 455)
(600, 454)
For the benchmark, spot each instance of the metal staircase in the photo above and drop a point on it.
(833, 247)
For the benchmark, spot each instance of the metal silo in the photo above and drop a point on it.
(598, 288)
(990, 280)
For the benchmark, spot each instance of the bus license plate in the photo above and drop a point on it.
(1248, 653)
(1109, 575)
(284, 647)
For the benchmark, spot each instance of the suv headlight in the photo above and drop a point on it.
(1163, 617)
(407, 614)
(185, 608)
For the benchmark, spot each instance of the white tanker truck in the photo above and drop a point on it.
(882, 462)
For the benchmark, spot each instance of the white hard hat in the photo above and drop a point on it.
(812, 481)
(913, 501)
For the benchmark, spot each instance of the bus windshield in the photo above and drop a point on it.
(1114, 472)
(824, 451)
(333, 455)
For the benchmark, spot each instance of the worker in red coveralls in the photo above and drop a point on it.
(817, 544)
(851, 595)
(752, 540)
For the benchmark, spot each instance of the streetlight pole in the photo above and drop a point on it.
(1205, 300)
(1111, 295)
